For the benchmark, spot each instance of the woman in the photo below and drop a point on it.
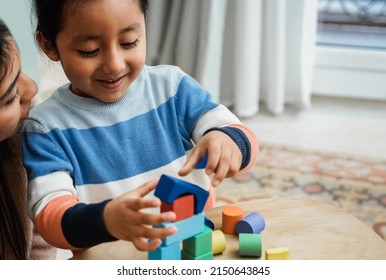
(18, 240)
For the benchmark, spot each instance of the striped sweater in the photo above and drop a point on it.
(80, 152)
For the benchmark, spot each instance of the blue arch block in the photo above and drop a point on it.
(170, 188)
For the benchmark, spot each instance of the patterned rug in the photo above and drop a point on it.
(356, 184)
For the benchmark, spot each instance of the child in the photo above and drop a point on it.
(18, 240)
(118, 124)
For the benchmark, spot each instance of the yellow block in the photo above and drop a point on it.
(218, 242)
(280, 253)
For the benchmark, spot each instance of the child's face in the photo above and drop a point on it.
(16, 93)
(102, 47)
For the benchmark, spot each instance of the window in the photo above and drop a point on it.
(351, 49)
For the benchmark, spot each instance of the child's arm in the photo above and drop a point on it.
(68, 224)
(59, 216)
(230, 149)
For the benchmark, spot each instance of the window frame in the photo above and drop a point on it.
(350, 72)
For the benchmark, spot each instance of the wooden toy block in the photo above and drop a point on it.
(279, 253)
(218, 242)
(250, 245)
(170, 252)
(202, 162)
(209, 223)
(185, 228)
(186, 256)
(199, 244)
(170, 188)
(183, 206)
(252, 223)
(230, 216)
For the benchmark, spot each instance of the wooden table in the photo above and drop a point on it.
(311, 230)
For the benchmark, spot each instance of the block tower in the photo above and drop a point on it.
(187, 201)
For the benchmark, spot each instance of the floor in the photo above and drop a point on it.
(354, 127)
(332, 124)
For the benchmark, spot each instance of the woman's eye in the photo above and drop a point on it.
(88, 53)
(13, 99)
(131, 44)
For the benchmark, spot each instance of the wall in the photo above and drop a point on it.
(17, 15)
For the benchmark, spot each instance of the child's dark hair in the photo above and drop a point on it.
(49, 15)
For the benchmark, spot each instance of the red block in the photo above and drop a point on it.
(183, 206)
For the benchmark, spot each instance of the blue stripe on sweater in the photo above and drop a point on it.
(192, 101)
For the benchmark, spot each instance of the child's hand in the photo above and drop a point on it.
(224, 156)
(124, 220)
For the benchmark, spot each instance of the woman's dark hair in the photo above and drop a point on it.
(12, 239)
(4, 48)
(49, 16)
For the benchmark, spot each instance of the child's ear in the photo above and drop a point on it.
(47, 47)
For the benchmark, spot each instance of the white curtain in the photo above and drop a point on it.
(244, 52)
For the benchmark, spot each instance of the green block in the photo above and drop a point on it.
(199, 244)
(186, 256)
(250, 244)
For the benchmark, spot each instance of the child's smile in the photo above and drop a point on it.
(112, 84)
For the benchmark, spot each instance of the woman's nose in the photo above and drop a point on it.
(27, 88)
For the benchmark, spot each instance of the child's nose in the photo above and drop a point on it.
(113, 62)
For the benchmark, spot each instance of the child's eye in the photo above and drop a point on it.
(88, 53)
(130, 44)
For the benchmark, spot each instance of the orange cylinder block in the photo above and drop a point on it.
(230, 216)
